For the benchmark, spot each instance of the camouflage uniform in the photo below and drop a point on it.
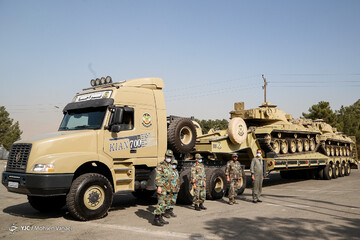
(233, 171)
(174, 188)
(199, 178)
(164, 175)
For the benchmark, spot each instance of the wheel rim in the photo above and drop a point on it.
(312, 144)
(299, 145)
(306, 145)
(284, 147)
(336, 170)
(185, 135)
(343, 170)
(276, 146)
(292, 146)
(328, 151)
(94, 197)
(330, 172)
(219, 184)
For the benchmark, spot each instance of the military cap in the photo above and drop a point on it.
(174, 162)
(234, 155)
(198, 156)
(169, 153)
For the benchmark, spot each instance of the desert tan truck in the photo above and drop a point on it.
(110, 140)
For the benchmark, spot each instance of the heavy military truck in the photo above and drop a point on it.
(110, 140)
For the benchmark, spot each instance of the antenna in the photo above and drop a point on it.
(264, 87)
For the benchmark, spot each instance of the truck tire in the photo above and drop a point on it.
(181, 135)
(90, 197)
(328, 172)
(237, 130)
(47, 204)
(216, 183)
(185, 194)
(242, 182)
(320, 173)
(335, 170)
(347, 169)
(341, 170)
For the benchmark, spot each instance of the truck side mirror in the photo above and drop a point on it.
(116, 120)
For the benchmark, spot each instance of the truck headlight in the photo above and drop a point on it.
(43, 168)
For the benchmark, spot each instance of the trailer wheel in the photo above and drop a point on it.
(90, 197)
(185, 195)
(341, 170)
(47, 204)
(242, 182)
(347, 169)
(328, 172)
(181, 135)
(320, 173)
(335, 170)
(216, 183)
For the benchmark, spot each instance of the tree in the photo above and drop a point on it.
(9, 131)
(217, 124)
(323, 111)
(349, 121)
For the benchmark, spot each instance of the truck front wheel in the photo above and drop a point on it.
(90, 197)
(47, 204)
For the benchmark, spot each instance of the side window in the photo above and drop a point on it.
(128, 119)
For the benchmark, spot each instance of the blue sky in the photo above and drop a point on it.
(209, 53)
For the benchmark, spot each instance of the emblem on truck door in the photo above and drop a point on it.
(146, 120)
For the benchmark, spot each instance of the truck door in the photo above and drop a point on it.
(132, 135)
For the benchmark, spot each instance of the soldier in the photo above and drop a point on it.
(164, 174)
(233, 175)
(198, 179)
(257, 176)
(175, 187)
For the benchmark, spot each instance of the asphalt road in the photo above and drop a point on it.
(291, 209)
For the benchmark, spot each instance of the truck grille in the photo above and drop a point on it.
(18, 157)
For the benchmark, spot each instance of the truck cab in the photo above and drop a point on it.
(108, 131)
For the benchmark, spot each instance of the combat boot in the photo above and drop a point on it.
(167, 213)
(171, 212)
(202, 206)
(197, 208)
(162, 220)
(157, 221)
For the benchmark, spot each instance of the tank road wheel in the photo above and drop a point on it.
(237, 130)
(275, 144)
(335, 170)
(47, 204)
(328, 150)
(185, 194)
(292, 145)
(90, 197)
(328, 172)
(341, 170)
(332, 151)
(242, 182)
(306, 145)
(284, 147)
(347, 169)
(181, 135)
(216, 183)
(299, 145)
(347, 151)
(337, 151)
(312, 144)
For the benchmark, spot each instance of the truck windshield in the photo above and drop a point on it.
(78, 119)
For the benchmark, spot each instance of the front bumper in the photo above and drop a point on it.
(37, 184)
